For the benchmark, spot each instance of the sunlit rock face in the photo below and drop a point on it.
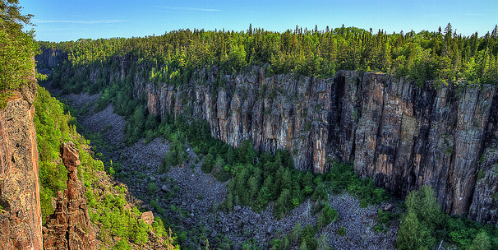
(20, 216)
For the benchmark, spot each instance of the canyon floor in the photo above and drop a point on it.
(190, 198)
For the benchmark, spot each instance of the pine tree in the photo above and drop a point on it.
(11, 15)
(253, 185)
(409, 236)
(286, 181)
(303, 245)
(481, 242)
(282, 205)
(140, 234)
(323, 242)
(296, 232)
(207, 163)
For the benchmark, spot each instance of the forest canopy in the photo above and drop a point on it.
(440, 56)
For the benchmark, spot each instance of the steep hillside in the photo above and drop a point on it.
(20, 214)
(82, 206)
(198, 206)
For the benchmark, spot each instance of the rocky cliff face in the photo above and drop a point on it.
(401, 135)
(20, 218)
(50, 58)
(70, 227)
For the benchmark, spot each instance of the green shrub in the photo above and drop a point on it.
(17, 50)
(140, 233)
(122, 244)
(363, 203)
(422, 216)
(327, 216)
(152, 188)
(342, 231)
(207, 163)
(481, 242)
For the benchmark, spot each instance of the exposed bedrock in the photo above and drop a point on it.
(401, 135)
(70, 227)
(20, 214)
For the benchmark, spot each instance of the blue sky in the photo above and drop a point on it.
(59, 20)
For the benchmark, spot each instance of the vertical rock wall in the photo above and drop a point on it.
(401, 135)
(20, 218)
(408, 137)
(279, 112)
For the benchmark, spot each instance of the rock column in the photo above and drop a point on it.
(70, 227)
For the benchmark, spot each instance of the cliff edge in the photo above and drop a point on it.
(20, 216)
(399, 134)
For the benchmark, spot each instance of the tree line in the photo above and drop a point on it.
(440, 56)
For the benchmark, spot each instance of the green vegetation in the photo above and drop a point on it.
(424, 226)
(384, 221)
(106, 204)
(255, 179)
(303, 237)
(342, 231)
(173, 57)
(17, 49)
(53, 127)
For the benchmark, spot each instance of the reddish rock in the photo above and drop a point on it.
(148, 217)
(70, 227)
(20, 221)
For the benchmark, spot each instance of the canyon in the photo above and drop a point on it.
(20, 216)
(401, 135)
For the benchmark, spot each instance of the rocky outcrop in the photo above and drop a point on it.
(20, 216)
(408, 137)
(70, 227)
